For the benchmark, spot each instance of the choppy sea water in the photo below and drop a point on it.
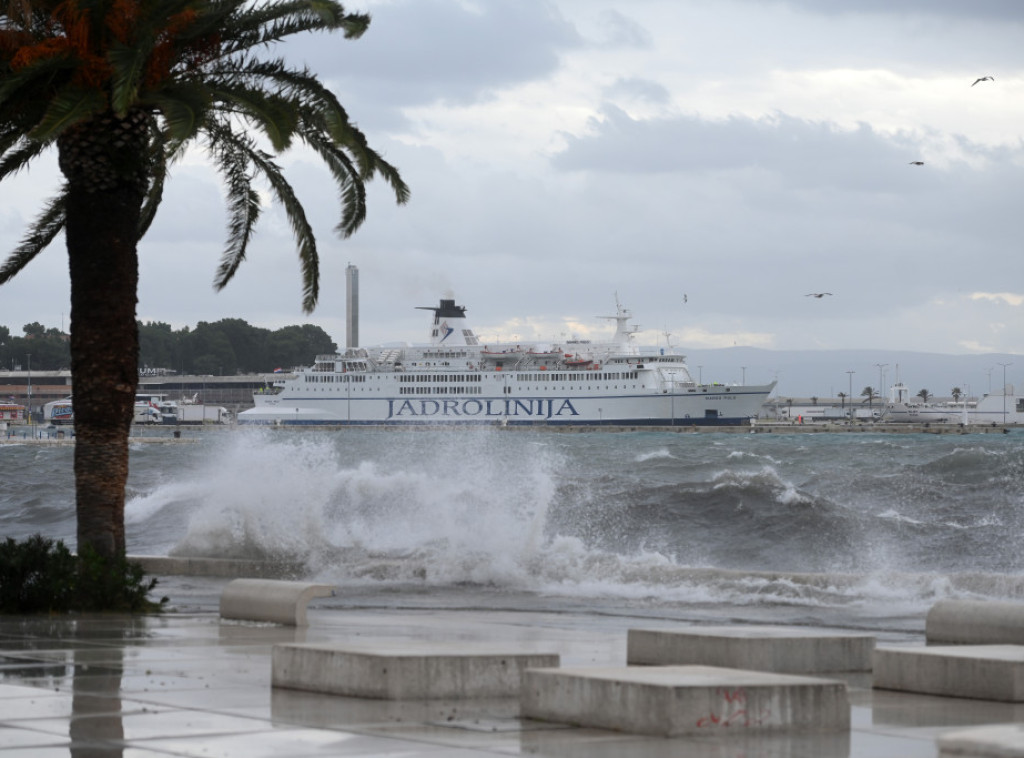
(861, 530)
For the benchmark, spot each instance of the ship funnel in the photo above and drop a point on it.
(449, 326)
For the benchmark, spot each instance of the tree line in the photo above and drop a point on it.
(223, 348)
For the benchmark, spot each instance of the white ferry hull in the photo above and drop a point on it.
(737, 405)
(454, 379)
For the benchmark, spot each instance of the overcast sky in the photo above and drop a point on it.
(710, 163)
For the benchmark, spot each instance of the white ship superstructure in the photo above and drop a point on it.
(1006, 407)
(455, 379)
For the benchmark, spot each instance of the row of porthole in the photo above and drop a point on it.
(471, 390)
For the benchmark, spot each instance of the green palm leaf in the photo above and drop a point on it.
(127, 63)
(66, 109)
(19, 157)
(183, 107)
(42, 232)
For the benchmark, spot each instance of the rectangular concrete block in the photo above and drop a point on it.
(685, 700)
(986, 672)
(975, 622)
(790, 650)
(996, 741)
(406, 670)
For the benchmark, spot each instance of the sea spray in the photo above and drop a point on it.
(855, 529)
(457, 507)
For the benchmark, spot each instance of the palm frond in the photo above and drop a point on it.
(18, 158)
(161, 152)
(275, 115)
(371, 163)
(352, 191)
(309, 260)
(183, 107)
(25, 85)
(42, 232)
(66, 109)
(266, 23)
(324, 112)
(128, 63)
(233, 154)
(151, 202)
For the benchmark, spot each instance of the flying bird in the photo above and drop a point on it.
(984, 79)
(917, 163)
(818, 295)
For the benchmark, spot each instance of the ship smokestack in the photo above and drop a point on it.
(351, 306)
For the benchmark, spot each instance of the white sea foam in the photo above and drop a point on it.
(744, 455)
(894, 515)
(653, 455)
(767, 479)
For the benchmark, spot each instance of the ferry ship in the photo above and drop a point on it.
(455, 379)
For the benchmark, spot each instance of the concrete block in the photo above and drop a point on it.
(995, 741)
(279, 601)
(975, 622)
(760, 648)
(229, 568)
(986, 672)
(405, 670)
(685, 700)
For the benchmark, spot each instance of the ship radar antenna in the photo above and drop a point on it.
(623, 332)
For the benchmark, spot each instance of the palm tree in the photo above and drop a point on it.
(121, 88)
(924, 395)
(956, 392)
(870, 394)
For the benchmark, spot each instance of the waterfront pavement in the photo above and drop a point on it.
(187, 683)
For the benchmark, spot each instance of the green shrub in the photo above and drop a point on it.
(42, 576)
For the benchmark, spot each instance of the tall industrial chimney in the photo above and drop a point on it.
(351, 306)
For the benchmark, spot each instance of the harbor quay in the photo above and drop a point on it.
(192, 681)
(50, 435)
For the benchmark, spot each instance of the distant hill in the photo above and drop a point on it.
(823, 373)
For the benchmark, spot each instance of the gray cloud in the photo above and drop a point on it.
(805, 154)
(622, 31)
(993, 10)
(423, 51)
(637, 88)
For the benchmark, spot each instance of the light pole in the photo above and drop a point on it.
(743, 381)
(881, 380)
(29, 361)
(881, 387)
(1004, 365)
(700, 375)
(851, 373)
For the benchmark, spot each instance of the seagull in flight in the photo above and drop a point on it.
(984, 79)
(818, 295)
(917, 163)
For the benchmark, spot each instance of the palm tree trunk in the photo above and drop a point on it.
(102, 220)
